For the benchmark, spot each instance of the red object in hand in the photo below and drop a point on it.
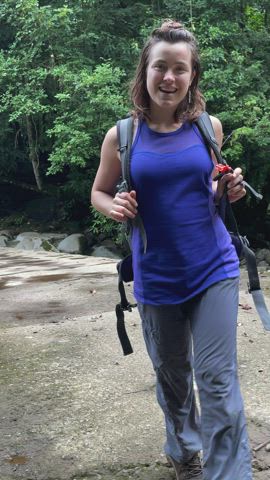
(222, 170)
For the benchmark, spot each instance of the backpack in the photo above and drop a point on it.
(124, 267)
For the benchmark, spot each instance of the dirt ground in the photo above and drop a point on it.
(72, 407)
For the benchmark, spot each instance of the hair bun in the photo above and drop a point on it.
(171, 25)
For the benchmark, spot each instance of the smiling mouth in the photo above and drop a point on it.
(164, 90)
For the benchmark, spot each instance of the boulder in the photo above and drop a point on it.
(6, 233)
(102, 251)
(267, 256)
(263, 264)
(53, 237)
(27, 235)
(12, 243)
(49, 239)
(263, 254)
(26, 243)
(3, 241)
(75, 243)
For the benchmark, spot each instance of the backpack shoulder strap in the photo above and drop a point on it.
(124, 135)
(207, 130)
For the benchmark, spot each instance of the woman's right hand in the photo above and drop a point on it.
(124, 206)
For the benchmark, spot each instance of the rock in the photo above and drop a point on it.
(36, 243)
(108, 243)
(3, 241)
(27, 235)
(12, 243)
(262, 263)
(53, 237)
(262, 254)
(75, 243)
(267, 256)
(44, 245)
(102, 251)
(47, 239)
(25, 244)
(6, 233)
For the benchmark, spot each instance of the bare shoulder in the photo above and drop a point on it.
(217, 125)
(111, 137)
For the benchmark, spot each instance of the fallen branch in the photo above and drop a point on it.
(261, 445)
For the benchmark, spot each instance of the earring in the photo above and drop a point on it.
(189, 97)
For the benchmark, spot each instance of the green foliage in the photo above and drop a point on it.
(89, 103)
(64, 72)
(14, 220)
(102, 225)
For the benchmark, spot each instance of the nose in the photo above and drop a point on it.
(168, 76)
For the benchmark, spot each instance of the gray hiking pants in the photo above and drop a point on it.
(210, 321)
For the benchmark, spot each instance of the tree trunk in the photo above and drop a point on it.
(242, 6)
(266, 17)
(33, 152)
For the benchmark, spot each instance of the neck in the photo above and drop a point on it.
(161, 120)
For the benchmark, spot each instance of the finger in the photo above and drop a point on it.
(133, 195)
(226, 178)
(118, 217)
(234, 197)
(124, 206)
(124, 200)
(236, 182)
(128, 197)
(124, 210)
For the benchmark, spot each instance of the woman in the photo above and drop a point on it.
(186, 283)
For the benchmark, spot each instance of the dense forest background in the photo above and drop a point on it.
(65, 68)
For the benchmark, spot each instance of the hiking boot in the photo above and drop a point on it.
(188, 470)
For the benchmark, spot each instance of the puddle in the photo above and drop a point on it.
(13, 283)
(18, 460)
(49, 278)
(5, 283)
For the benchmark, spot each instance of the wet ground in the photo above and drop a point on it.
(72, 407)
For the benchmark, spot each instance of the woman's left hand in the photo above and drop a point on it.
(235, 187)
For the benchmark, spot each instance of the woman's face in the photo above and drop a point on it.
(169, 74)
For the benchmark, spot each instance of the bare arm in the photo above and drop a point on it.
(233, 180)
(119, 206)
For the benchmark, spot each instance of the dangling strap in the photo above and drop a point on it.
(121, 330)
(124, 304)
(254, 286)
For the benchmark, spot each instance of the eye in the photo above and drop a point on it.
(159, 67)
(179, 70)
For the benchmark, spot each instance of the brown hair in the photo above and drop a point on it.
(172, 32)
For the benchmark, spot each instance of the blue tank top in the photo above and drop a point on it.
(188, 246)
